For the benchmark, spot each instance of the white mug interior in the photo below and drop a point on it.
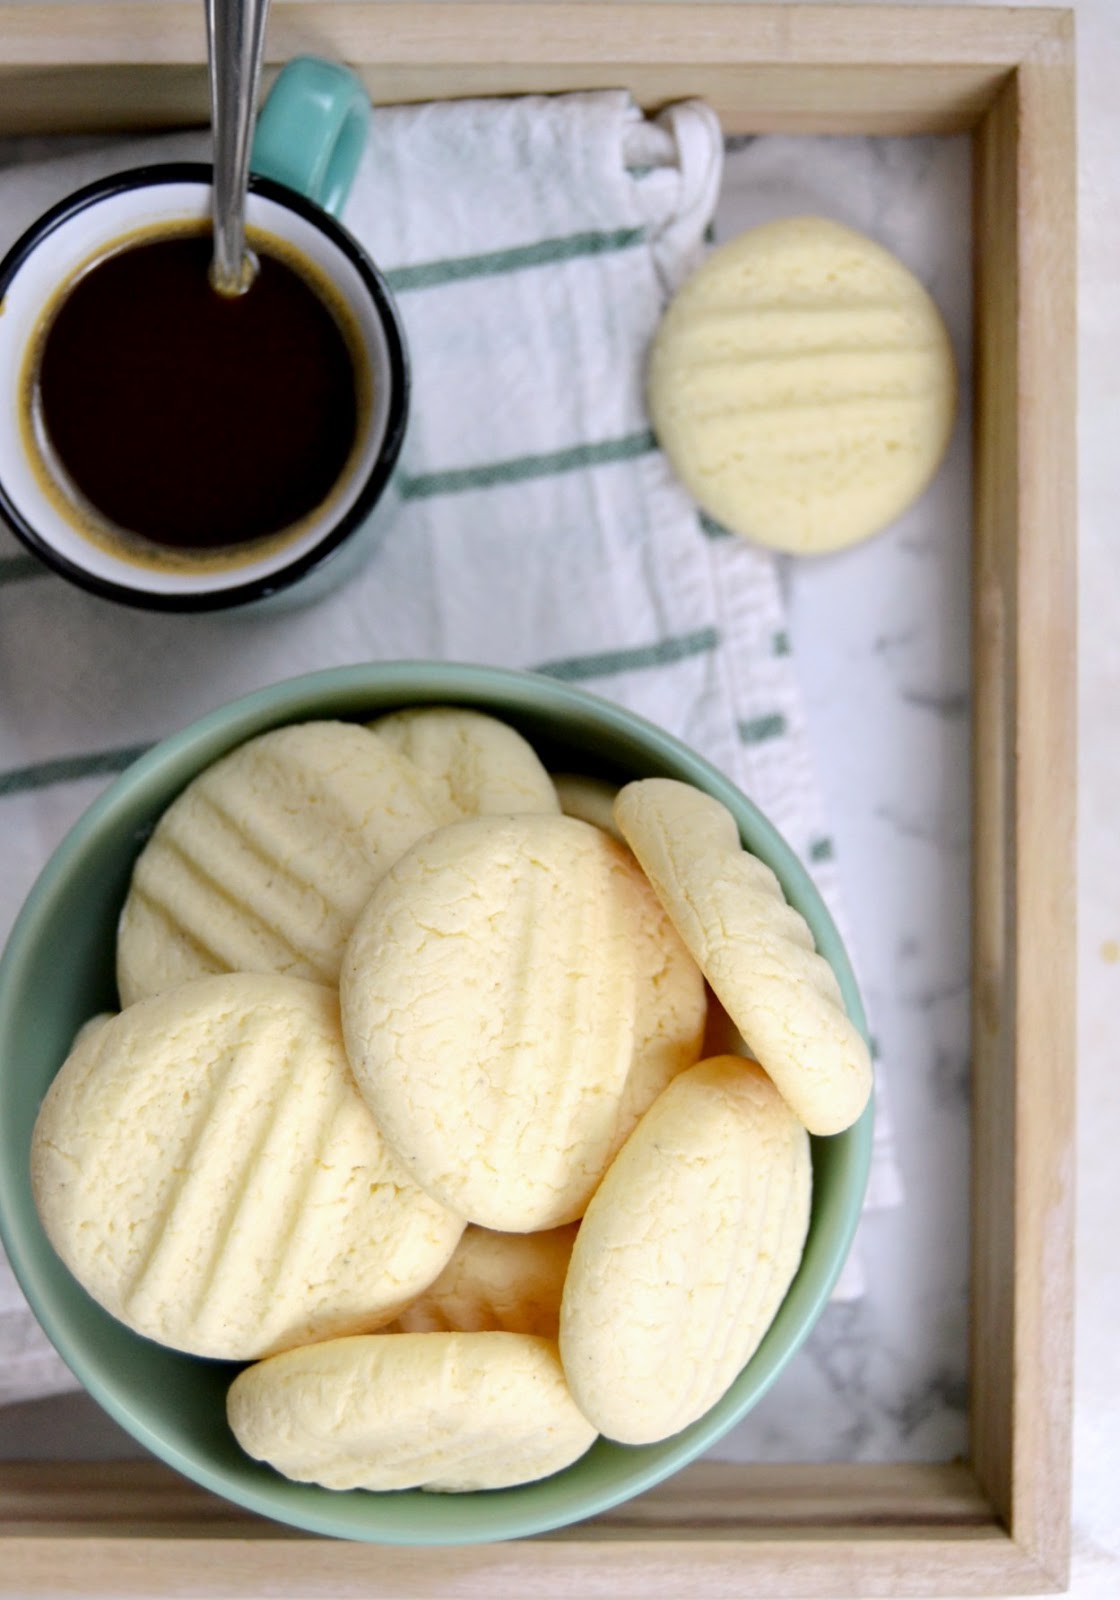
(54, 259)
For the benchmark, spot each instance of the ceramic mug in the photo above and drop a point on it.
(309, 137)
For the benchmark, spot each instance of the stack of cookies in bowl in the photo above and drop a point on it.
(414, 1107)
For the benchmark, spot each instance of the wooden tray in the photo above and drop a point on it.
(998, 1524)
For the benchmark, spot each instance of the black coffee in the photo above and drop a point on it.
(193, 419)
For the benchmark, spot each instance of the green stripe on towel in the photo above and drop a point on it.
(711, 529)
(572, 246)
(68, 769)
(636, 658)
(492, 474)
(758, 729)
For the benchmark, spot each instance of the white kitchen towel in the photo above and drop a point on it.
(532, 244)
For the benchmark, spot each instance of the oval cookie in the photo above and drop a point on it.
(803, 385)
(263, 863)
(483, 766)
(495, 1281)
(671, 1010)
(441, 1411)
(204, 1165)
(686, 1252)
(488, 1000)
(754, 949)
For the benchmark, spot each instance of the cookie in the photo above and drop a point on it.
(755, 950)
(490, 1006)
(205, 1167)
(263, 863)
(589, 799)
(803, 386)
(686, 1252)
(507, 1281)
(670, 1013)
(91, 1026)
(440, 1411)
(483, 766)
(672, 1004)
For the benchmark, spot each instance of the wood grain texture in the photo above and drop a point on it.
(713, 1530)
(1024, 907)
(820, 69)
(1000, 1527)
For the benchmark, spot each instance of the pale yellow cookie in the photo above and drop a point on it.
(755, 950)
(508, 1281)
(91, 1026)
(721, 1036)
(441, 1411)
(686, 1252)
(490, 1000)
(484, 767)
(802, 384)
(672, 1003)
(589, 799)
(263, 863)
(204, 1165)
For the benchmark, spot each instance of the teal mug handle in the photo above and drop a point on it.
(312, 129)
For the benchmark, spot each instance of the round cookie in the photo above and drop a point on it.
(589, 799)
(264, 861)
(440, 1411)
(483, 766)
(205, 1167)
(686, 1252)
(490, 999)
(754, 949)
(507, 1281)
(803, 386)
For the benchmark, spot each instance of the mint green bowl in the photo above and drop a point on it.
(58, 970)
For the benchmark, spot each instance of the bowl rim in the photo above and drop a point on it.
(337, 693)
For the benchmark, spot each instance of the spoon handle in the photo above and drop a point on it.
(235, 30)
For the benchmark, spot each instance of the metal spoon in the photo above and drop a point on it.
(235, 31)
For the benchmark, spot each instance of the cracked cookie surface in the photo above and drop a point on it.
(755, 950)
(803, 385)
(495, 1281)
(205, 1167)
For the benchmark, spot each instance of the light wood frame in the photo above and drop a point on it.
(998, 1524)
